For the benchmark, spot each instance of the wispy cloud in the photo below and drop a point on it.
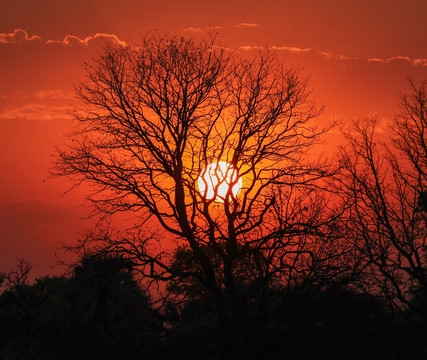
(422, 62)
(249, 47)
(277, 48)
(338, 57)
(53, 95)
(416, 62)
(193, 29)
(247, 25)
(17, 36)
(75, 40)
(291, 49)
(201, 29)
(407, 59)
(332, 56)
(33, 111)
(326, 54)
(20, 36)
(52, 104)
(378, 60)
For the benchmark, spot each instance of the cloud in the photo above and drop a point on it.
(277, 48)
(422, 62)
(53, 94)
(20, 35)
(378, 60)
(248, 25)
(199, 30)
(407, 59)
(17, 36)
(393, 58)
(249, 47)
(338, 57)
(416, 62)
(33, 111)
(70, 40)
(326, 54)
(291, 49)
(332, 56)
(193, 29)
(404, 58)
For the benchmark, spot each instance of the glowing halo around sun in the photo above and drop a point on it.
(215, 181)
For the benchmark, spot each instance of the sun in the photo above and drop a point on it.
(216, 179)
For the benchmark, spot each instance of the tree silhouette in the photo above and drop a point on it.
(98, 312)
(110, 309)
(384, 185)
(153, 116)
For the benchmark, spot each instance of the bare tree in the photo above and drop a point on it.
(154, 116)
(17, 278)
(385, 186)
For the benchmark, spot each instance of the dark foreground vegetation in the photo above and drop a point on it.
(312, 259)
(99, 312)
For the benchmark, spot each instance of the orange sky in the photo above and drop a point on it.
(357, 54)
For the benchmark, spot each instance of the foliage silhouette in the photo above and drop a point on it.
(99, 312)
(300, 323)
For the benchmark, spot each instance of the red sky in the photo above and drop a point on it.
(357, 54)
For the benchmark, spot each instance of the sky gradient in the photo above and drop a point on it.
(357, 55)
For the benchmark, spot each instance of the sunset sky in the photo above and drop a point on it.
(357, 54)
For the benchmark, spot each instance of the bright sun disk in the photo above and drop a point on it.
(215, 181)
